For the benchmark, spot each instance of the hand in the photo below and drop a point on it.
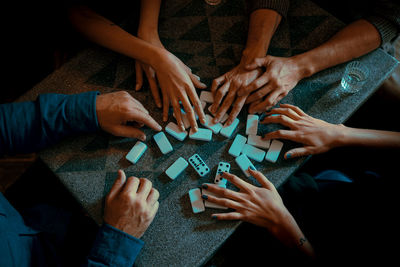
(114, 110)
(316, 135)
(131, 205)
(281, 76)
(177, 80)
(262, 206)
(229, 84)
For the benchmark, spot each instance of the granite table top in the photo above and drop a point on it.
(209, 39)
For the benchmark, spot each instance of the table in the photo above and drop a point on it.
(209, 39)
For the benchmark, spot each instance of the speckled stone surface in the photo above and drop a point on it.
(209, 39)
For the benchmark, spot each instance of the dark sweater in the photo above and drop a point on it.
(383, 14)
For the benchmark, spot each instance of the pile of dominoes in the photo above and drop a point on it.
(242, 148)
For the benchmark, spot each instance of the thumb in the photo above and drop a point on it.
(257, 63)
(298, 152)
(118, 184)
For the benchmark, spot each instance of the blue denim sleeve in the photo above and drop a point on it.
(113, 247)
(30, 126)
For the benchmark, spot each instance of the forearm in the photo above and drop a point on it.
(355, 40)
(105, 33)
(290, 234)
(370, 138)
(262, 26)
(30, 126)
(149, 13)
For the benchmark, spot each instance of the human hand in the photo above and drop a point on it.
(228, 85)
(316, 135)
(177, 80)
(261, 206)
(115, 110)
(281, 75)
(131, 204)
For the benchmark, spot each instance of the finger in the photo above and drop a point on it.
(256, 84)
(218, 96)
(196, 81)
(194, 98)
(139, 106)
(280, 119)
(144, 188)
(118, 184)
(294, 108)
(131, 185)
(250, 109)
(217, 82)
(178, 114)
(282, 134)
(144, 118)
(165, 106)
(260, 93)
(223, 202)
(151, 77)
(127, 131)
(225, 105)
(153, 196)
(275, 96)
(257, 63)
(299, 152)
(261, 107)
(139, 75)
(155, 208)
(227, 216)
(239, 183)
(261, 179)
(221, 191)
(236, 108)
(284, 111)
(189, 112)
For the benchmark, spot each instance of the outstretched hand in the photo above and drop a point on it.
(316, 135)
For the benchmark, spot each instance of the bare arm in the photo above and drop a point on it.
(263, 24)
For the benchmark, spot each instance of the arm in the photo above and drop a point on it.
(262, 26)
(261, 206)
(173, 76)
(283, 74)
(130, 207)
(319, 136)
(30, 126)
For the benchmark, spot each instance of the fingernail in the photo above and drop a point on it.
(137, 87)
(288, 155)
(203, 84)
(197, 77)
(143, 138)
(203, 120)
(204, 196)
(252, 168)
(204, 186)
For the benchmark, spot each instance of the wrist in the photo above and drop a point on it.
(305, 66)
(249, 54)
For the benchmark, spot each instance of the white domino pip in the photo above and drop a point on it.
(206, 96)
(202, 134)
(176, 168)
(222, 167)
(253, 152)
(257, 141)
(136, 152)
(274, 151)
(237, 145)
(199, 165)
(174, 130)
(216, 128)
(252, 124)
(162, 142)
(227, 131)
(209, 204)
(196, 200)
(244, 163)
